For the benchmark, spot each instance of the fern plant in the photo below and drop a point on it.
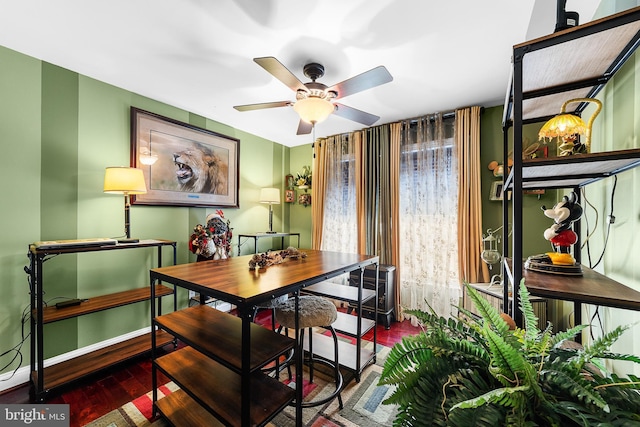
(470, 371)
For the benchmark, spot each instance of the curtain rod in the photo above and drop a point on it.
(447, 115)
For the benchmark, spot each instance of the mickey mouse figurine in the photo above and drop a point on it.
(564, 213)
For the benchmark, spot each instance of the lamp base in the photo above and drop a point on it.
(128, 240)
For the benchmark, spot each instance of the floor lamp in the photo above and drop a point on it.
(272, 197)
(127, 181)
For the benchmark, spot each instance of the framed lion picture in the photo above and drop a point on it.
(183, 165)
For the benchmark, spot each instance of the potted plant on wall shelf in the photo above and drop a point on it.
(303, 178)
(470, 371)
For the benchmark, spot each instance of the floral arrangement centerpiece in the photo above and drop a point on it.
(275, 257)
(213, 240)
(303, 179)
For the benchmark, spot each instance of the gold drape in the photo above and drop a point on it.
(471, 267)
(360, 190)
(394, 208)
(317, 192)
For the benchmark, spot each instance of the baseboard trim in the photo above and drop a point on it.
(22, 374)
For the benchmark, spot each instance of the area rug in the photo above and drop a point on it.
(362, 404)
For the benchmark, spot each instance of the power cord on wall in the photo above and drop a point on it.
(18, 347)
(26, 316)
(610, 220)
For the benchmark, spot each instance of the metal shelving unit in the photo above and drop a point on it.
(573, 63)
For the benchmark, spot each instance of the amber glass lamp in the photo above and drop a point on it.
(564, 126)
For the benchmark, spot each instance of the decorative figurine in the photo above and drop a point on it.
(212, 241)
(564, 213)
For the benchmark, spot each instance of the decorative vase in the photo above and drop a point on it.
(303, 187)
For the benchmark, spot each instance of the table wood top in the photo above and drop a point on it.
(590, 288)
(232, 280)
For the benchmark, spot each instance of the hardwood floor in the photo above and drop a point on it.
(101, 393)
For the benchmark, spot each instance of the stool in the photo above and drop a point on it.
(313, 311)
(271, 305)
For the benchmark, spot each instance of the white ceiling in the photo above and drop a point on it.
(197, 54)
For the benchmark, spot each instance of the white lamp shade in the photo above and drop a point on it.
(270, 196)
(313, 109)
(123, 180)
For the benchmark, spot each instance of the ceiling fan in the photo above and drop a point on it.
(314, 100)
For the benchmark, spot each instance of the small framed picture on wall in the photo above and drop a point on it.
(304, 199)
(289, 196)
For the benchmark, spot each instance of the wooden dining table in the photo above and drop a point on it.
(231, 280)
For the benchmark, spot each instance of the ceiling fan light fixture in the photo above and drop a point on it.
(313, 109)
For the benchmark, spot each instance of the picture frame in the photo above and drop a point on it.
(193, 166)
(289, 181)
(289, 196)
(304, 199)
(497, 191)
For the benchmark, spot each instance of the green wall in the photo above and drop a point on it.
(58, 131)
(491, 137)
(20, 187)
(616, 128)
(301, 215)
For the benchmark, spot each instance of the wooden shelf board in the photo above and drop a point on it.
(573, 63)
(576, 171)
(194, 325)
(148, 243)
(102, 302)
(323, 347)
(182, 411)
(69, 370)
(348, 324)
(339, 292)
(218, 388)
(590, 288)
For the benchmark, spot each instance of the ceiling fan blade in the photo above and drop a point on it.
(355, 114)
(280, 72)
(249, 107)
(304, 128)
(372, 78)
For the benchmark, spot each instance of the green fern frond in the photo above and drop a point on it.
(488, 312)
(618, 356)
(455, 328)
(559, 383)
(543, 342)
(603, 344)
(507, 396)
(403, 357)
(569, 334)
(508, 363)
(530, 319)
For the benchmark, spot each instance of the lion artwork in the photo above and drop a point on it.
(200, 171)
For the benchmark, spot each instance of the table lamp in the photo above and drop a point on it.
(565, 125)
(272, 197)
(127, 181)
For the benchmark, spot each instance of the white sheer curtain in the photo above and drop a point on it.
(340, 230)
(429, 216)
